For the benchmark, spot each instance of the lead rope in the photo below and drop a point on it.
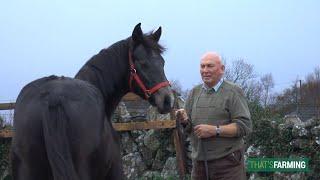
(204, 149)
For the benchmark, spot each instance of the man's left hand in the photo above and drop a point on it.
(204, 130)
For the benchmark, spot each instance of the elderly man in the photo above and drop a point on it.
(217, 117)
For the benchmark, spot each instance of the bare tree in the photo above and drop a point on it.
(1, 122)
(243, 74)
(177, 87)
(303, 99)
(240, 72)
(252, 90)
(267, 84)
(310, 91)
(315, 76)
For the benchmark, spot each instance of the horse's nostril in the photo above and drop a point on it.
(167, 101)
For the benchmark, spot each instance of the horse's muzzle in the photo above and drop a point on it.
(163, 100)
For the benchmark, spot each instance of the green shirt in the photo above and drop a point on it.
(227, 105)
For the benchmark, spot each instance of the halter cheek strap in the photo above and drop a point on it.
(134, 76)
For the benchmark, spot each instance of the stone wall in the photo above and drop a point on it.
(148, 154)
(304, 141)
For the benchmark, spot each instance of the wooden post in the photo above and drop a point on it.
(179, 153)
(179, 144)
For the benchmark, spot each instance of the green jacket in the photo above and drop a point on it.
(227, 105)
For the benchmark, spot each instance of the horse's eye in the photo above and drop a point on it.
(142, 61)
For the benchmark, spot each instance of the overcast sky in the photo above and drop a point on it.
(39, 38)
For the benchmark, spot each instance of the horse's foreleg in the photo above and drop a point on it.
(115, 172)
(29, 164)
(23, 169)
(15, 165)
(83, 169)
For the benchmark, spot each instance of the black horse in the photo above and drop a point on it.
(62, 125)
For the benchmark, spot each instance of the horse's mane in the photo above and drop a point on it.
(150, 43)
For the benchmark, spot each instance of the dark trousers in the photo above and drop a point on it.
(230, 167)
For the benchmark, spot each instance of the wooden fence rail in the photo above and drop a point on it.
(7, 106)
(129, 126)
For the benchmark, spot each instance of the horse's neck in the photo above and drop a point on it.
(109, 72)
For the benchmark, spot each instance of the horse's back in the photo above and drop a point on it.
(83, 102)
(83, 108)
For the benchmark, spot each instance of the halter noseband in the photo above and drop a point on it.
(135, 76)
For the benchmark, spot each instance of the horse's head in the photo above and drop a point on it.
(147, 77)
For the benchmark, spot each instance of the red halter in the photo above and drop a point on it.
(134, 76)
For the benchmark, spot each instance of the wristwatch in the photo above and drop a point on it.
(218, 131)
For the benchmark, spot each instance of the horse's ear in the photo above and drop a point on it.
(156, 35)
(137, 34)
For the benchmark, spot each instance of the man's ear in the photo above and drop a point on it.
(156, 35)
(137, 35)
(223, 67)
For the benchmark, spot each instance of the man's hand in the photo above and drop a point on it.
(204, 130)
(181, 116)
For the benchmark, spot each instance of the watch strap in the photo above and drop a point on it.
(218, 131)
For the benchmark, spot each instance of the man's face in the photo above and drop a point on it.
(211, 70)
